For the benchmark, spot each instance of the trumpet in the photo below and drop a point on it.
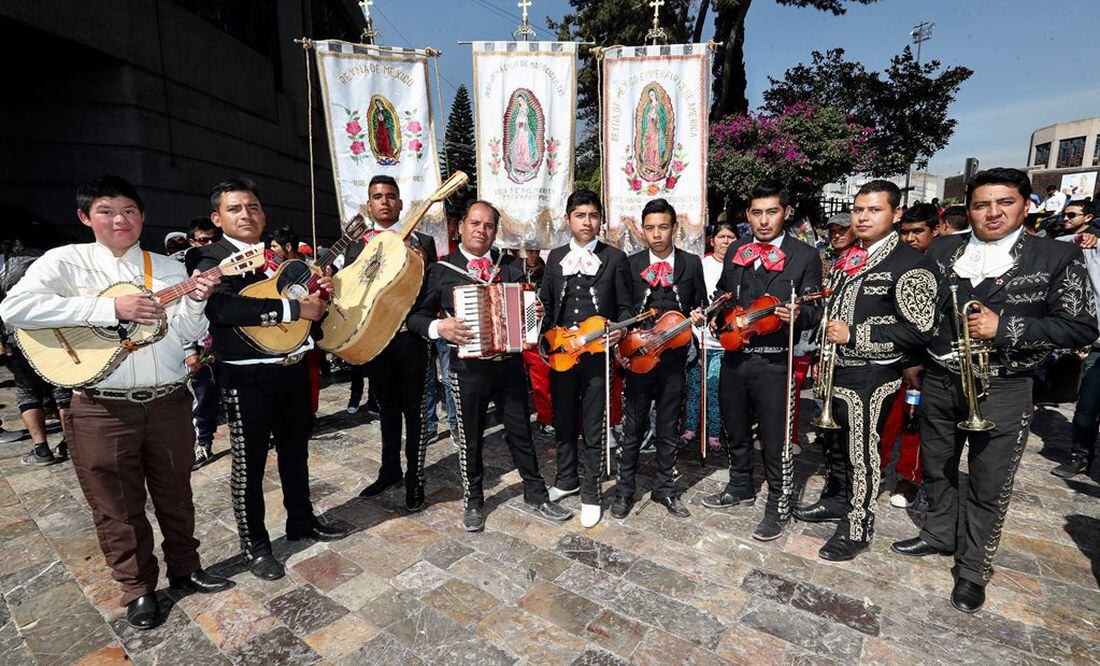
(823, 387)
(973, 359)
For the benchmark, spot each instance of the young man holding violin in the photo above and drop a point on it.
(583, 278)
(761, 271)
(665, 278)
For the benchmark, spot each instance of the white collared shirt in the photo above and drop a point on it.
(670, 259)
(62, 289)
(981, 259)
(590, 245)
(873, 247)
(433, 328)
(775, 242)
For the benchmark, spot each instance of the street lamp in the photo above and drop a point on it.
(922, 32)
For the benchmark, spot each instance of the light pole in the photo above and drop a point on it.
(922, 32)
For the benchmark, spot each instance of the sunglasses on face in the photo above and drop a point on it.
(203, 239)
(1070, 216)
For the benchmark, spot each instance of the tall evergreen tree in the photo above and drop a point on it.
(459, 138)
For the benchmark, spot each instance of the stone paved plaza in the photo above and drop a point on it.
(411, 589)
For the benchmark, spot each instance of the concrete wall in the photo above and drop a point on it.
(1054, 134)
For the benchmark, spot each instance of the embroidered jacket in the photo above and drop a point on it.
(607, 293)
(1044, 301)
(687, 292)
(889, 304)
(437, 292)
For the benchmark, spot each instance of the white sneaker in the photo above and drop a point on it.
(557, 493)
(352, 410)
(590, 514)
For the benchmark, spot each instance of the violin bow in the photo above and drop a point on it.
(786, 455)
(607, 393)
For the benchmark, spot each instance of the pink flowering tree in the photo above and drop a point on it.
(805, 146)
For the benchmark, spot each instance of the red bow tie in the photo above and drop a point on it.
(481, 268)
(271, 261)
(852, 260)
(658, 274)
(374, 232)
(771, 257)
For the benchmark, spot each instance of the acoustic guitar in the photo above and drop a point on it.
(374, 294)
(562, 347)
(294, 279)
(74, 356)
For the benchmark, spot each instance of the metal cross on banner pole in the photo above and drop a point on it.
(369, 33)
(524, 31)
(656, 33)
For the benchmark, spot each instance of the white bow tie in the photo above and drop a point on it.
(982, 260)
(580, 260)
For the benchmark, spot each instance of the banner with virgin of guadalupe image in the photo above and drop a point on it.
(654, 139)
(378, 112)
(526, 106)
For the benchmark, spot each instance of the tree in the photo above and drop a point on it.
(459, 137)
(729, 66)
(908, 107)
(804, 146)
(608, 22)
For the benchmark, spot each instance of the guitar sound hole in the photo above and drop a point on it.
(123, 331)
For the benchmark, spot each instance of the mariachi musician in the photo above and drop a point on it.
(583, 278)
(883, 308)
(665, 278)
(754, 379)
(476, 381)
(402, 367)
(266, 396)
(1033, 295)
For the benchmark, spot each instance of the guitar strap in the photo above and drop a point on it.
(148, 270)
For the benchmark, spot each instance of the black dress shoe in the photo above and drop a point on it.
(839, 548)
(144, 612)
(770, 528)
(414, 498)
(916, 547)
(319, 532)
(378, 487)
(967, 596)
(674, 506)
(473, 519)
(621, 506)
(201, 582)
(1077, 464)
(724, 500)
(266, 567)
(552, 510)
(820, 512)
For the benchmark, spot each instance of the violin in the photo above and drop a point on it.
(740, 324)
(640, 351)
(562, 347)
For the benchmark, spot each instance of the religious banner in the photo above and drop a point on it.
(526, 105)
(654, 139)
(379, 120)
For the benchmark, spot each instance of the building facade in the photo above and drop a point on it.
(1066, 155)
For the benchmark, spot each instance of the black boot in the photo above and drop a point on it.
(201, 582)
(967, 596)
(384, 481)
(144, 612)
(839, 548)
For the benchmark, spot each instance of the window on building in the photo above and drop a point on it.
(1096, 152)
(1042, 155)
(1071, 152)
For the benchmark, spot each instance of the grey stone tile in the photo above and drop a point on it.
(677, 618)
(305, 610)
(803, 629)
(278, 646)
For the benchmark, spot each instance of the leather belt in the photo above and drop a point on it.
(139, 395)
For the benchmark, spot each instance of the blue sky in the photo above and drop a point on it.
(1035, 62)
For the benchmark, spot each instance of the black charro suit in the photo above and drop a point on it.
(579, 392)
(263, 398)
(664, 384)
(1044, 302)
(398, 377)
(476, 382)
(753, 381)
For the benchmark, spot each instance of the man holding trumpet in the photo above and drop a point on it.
(1010, 299)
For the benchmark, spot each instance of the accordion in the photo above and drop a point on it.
(501, 316)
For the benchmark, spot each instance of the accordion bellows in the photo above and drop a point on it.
(501, 316)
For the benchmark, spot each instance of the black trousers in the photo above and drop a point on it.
(837, 491)
(1086, 415)
(397, 378)
(861, 398)
(753, 389)
(260, 401)
(474, 383)
(663, 385)
(970, 525)
(578, 397)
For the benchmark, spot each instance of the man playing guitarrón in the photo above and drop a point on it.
(132, 428)
(265, 395)
(476, 381)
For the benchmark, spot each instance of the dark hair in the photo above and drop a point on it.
(893, 192)
(656, 206)
(921, 213)
(1087, 206)
(200, 224)
(771, 188)
(106, 186)
(1000, 176)
(237, 184)
(583, 198)
(1051, 188)
(956, 218)
(481, 202)
(383, 180)
(286, 236)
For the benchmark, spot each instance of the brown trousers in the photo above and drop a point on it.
(118, 448)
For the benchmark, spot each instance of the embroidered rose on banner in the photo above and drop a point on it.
(494, 159)
(552, 162)
(663, 184)
(413, 130)
(355, 135)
